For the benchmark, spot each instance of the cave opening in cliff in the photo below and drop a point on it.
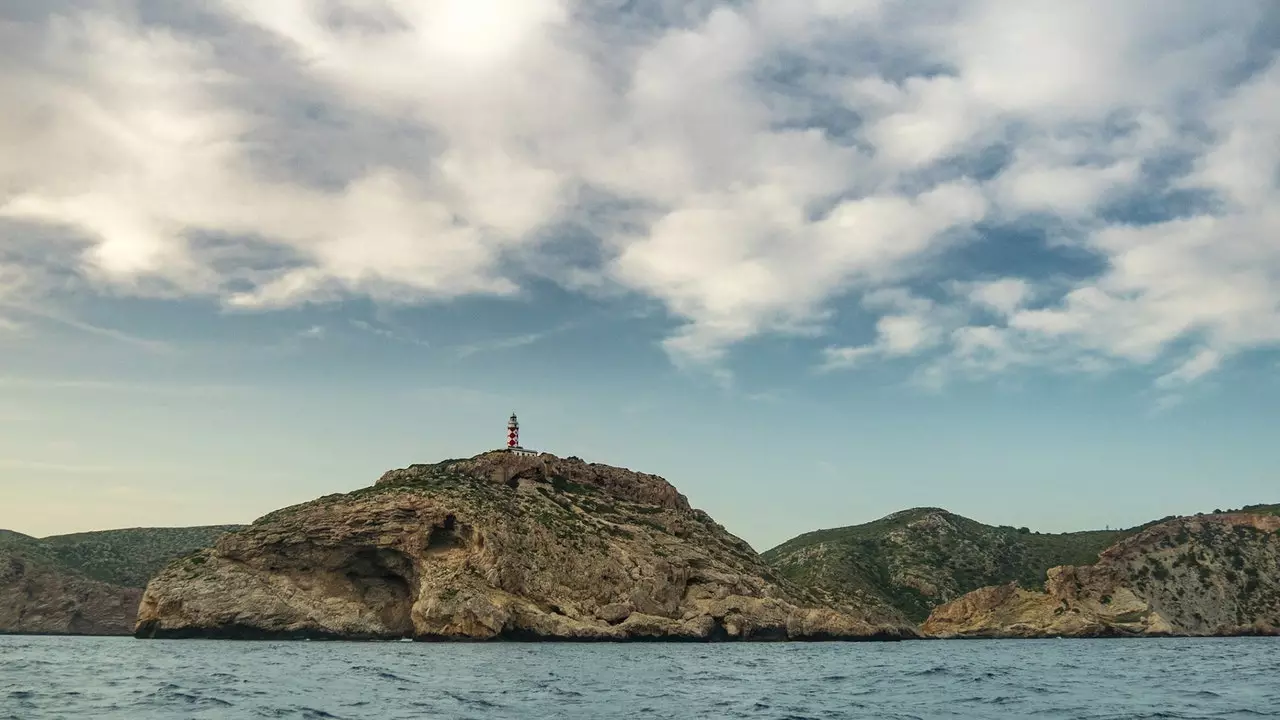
(383, 579)
(446, 536)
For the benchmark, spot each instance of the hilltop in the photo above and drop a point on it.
(1204, 575)
(498, 546)
(917, 559)
(86, 583)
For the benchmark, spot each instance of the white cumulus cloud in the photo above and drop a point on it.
(749, 165)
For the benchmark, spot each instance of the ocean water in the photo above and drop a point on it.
(50, 677)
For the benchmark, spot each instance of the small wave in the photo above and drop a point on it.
(316, 714)
(566, 693)
(475, 701)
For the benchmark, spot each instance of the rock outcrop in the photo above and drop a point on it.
(1202, 575)
(39, 598)
(495, 547)
(87, 583)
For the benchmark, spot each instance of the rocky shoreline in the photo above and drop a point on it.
(505, 547)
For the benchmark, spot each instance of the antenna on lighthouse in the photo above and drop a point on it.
(513, 433)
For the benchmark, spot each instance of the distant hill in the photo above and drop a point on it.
(917, 559)
(86, 583)
(1215, 574)
(920, 558)
(129, 557)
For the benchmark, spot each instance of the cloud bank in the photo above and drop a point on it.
(749, 165)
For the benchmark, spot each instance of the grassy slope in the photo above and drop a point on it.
(130, 557)
(915, 567)
(121, 557)
(888, 557)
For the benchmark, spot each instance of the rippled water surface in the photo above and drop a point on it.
(45, 677)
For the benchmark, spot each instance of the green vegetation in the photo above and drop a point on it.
(121, 557)
(1260, 509)
(919, 558)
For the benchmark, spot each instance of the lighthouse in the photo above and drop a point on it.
(513, 432)
(513, 437)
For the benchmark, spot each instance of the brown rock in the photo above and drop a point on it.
(614, 613)
(502, 467)
(494, 548)
(38, 598)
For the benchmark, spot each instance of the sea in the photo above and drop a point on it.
(67, 677)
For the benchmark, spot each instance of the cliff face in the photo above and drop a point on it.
(495, 547)
(36, 597)
(85, 584)
(920, 558)
(1202, 575)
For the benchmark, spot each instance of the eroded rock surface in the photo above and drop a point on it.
(36, 597)
(1201, 575)
(495, 547)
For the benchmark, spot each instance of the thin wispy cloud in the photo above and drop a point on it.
(56, 317)
(389, 333)
(127, 387)
(511, 342)
(746, 165)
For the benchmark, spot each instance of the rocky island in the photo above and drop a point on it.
(501, 546)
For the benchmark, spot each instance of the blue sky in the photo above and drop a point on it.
(813, 262)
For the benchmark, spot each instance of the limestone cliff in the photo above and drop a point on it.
(40, 598)
(1202, 575)
(495, 547)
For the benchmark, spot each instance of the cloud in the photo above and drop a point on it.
(1195, 367)
(512, 341)
(909, 326)
(389, 333)
(746, 165)
(53, 316)
(114, 386)
(1004, 296)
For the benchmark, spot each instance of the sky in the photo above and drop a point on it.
(813, 261)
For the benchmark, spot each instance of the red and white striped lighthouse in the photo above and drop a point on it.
(513, 432)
